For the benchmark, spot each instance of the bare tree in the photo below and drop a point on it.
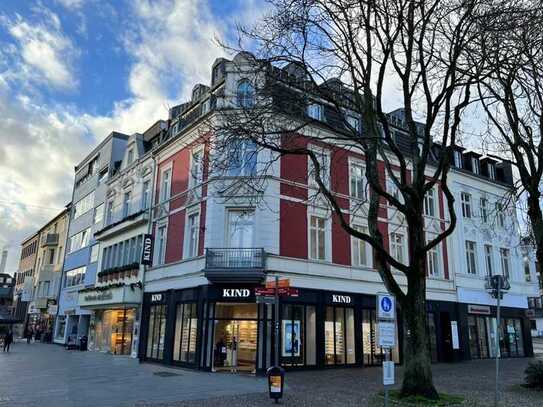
(509, 48)
(342, 55)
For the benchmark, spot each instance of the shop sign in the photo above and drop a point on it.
(147, 252)
(386, 306)
(479, 309)
(388, 373)
(341, 299)
(236, 292)
(157, 297)
(386, 332)
(454, 334)
(103, 296)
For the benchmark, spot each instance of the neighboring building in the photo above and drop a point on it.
(3, 261)
(116, 296)
(82, 250)
(24, 278)
(7, 284)
(213, 247)
(47, 276)
(536, 306)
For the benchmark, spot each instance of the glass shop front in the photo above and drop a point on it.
(111, 331)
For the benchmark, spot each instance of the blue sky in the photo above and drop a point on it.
(71, 71)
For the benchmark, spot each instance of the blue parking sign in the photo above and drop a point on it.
(386, 306)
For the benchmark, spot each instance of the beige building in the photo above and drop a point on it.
(48, 272)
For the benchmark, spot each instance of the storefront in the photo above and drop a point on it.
(113, 326)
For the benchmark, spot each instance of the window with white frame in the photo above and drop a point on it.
(466, 204)
(314, 110)
(94, 253)
(98, 214)
(191, 235)
(160, 245)
(354, 122)
(317, 238)
(475, 165)
(489, 261)
(245, 94)
(324, 161)
(483, 206)
(500, 215)
(75, 277)
(196, 168)
(109, 212)
(84, 205)
(146, 195)
(240, 228)
(527, 273)
(130, 157)
(471, 257)
(505, 255)
(357, 183)
(165, 185)
(126, 203)
(433, 260)
(430, 203)
(80, 240)
(393, 189)
(458, 159)
(361, 250)
(242, 158)
(397, 249)
(491, 170)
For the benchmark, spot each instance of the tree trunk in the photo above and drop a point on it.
(417, 372)
(536, 221)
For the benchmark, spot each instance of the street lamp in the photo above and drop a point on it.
(496, 285)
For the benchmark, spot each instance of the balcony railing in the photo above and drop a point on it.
(235, 258)
(50, 239)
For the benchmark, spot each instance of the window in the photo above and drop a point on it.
(126, 203)
(357, 181)
(51, 256)
(146, 195)
(500, 216)
(242, 157)
(161, 245)
(339, 343)
(109, 214)
(488, 260)
(354, 122)
(94, 253)
(79, 240)
(165, 187)
(59, 254)
(130, 157)
(471, 258)
(314, 110)
(245, 94)
(84, 205)
(429, 203)
(506, 261)
(75, 277)
(191, 233)
(317, 236)
(324, 160)
(240, 228)
(186, 329)
(298, 335)
(98, 214)
(458, 159)
(475, 165)
(196, 168)
(397, 246)
(433, 260)
(491, 171)
(361, 249)
(103, 175)
(157, 331)
(527, 274)
(484, 209)
(466, 204)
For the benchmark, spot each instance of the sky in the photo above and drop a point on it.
(72, 71)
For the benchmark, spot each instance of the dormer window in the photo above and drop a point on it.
(491, 171)
(354, 123)
(475, 165)
(314, 110)
(245, 94)
(458, 159)
(130, 157)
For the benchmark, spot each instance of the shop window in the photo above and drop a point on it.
(373, 354)
(186, 329)
(61, 327)
(339, 341)
(298, 343)
(156, 332)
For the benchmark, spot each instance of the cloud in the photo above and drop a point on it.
(71, 4)
(45, 54)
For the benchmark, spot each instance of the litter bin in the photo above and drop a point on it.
(276, 382)
(83, 342)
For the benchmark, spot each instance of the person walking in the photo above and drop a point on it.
(8, 339)
(28, 335)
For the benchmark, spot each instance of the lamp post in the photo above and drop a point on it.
(496, 285)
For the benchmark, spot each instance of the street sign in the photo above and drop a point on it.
(261, 299)
(386, 306)
(284, 283)
(282, 292)
(388, 373)
(386, 333)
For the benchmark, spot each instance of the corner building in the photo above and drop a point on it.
(212, 249)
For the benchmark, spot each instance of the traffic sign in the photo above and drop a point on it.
(386, 334)
(386, 306)
(284, 283)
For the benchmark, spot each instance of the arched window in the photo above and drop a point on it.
(245, 94)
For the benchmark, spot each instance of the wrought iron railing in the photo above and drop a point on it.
(235, 258)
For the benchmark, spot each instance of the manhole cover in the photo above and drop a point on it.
(166, 374)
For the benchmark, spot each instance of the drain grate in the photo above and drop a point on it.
(166, 374)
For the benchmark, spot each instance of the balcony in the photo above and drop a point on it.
(50, 239)
(235, 265)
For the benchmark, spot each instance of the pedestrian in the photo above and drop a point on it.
(8, 339)
(28, 335)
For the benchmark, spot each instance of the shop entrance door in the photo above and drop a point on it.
(235, 346)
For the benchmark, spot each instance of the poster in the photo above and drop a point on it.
(291, 338)
(454, 332)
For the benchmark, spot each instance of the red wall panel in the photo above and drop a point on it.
(176, 229)
(341, 242)
(293, 229)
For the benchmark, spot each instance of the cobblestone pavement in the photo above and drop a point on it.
(47, 375)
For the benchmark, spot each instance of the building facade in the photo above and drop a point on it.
(47, 277)
(214, 247)
(82, 249)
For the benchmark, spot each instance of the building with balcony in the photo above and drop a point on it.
(82, 249)
(214, 245)
(114, 299)
(42, 309)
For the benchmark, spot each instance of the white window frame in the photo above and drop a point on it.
(489, 259)
(491, 171)
(500, 215)
(434, 260)
(127, 203)
(457, 159)
(483, 208)
(475, 165)
(398, 249)
(165, 184)
(188, 241)
(146, 194)
(430, 203)
(196, 175)
(129, 156)
(354, 122)
(357, 187)
(98, 216)
(359, 245)
(315, 111)
(465, 199)
(317, 230)
(505, 260)
(94, 252)
(471, 257)
(109, 212)
(325, 167)
(160, 249)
